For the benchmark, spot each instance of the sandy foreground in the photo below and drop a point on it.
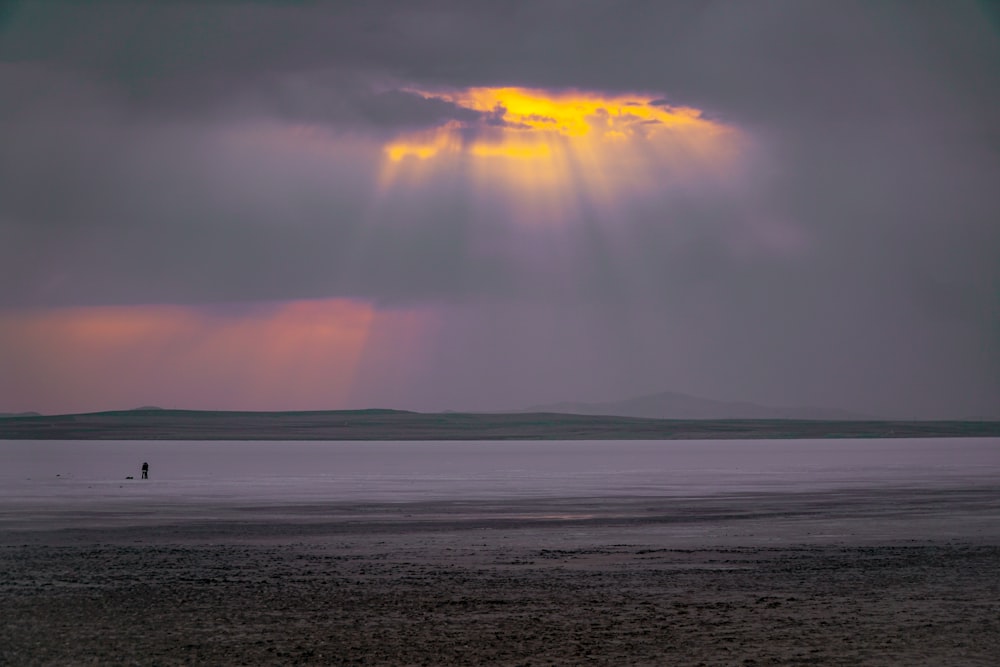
(896, 577)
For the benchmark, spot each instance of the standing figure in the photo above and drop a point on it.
(145, 470)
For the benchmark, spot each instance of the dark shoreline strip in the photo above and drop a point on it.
(401, 425)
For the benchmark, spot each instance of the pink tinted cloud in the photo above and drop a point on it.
(292, 355)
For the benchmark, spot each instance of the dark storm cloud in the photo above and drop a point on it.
(397, 108)
(843, 60)
(863, 252)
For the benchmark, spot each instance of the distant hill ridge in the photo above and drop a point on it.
(396, 425)
(169, 412)
(674, 405)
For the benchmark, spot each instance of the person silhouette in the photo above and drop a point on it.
(145, 470)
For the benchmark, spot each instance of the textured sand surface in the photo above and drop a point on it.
(876, 578)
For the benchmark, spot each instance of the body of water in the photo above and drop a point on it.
(191, 471)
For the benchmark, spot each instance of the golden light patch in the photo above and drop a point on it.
(522, 123)
(575, 114)
(427, 144)
(561, 146)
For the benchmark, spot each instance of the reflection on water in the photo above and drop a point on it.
(57, 472)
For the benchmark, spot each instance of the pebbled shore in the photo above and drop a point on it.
(872, 579)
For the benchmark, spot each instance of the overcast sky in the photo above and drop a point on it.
(277, 205)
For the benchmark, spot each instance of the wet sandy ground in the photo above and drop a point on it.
(875, 578)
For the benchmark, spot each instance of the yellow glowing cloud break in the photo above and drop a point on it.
(562, 144)
(520, 123)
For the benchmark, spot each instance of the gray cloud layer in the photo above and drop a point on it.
(137, 167)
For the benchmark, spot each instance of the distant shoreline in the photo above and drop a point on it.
(156, 424)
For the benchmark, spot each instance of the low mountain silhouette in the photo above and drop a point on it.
(674, 405)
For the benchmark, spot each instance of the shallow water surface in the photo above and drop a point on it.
(59, 471)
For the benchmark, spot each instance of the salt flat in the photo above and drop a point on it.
(894, 568)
